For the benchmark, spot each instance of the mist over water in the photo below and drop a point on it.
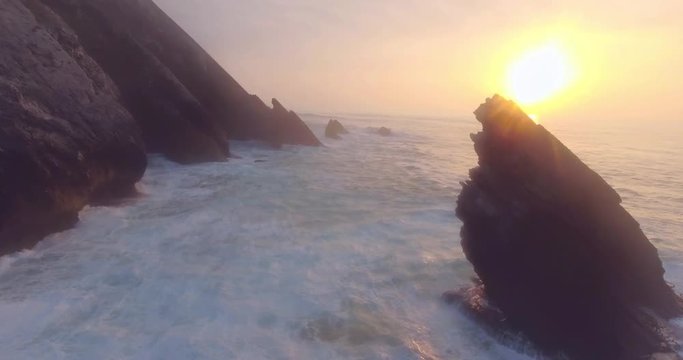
(335, 252)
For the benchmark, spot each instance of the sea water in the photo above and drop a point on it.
(334, 252)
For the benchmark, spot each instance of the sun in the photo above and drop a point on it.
(539, 74)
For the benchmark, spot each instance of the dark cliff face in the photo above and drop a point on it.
(555, 250)
(172, 121)
(171, 85)
(87, 87)
(64, 138)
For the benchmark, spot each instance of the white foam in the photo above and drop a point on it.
(335, 252)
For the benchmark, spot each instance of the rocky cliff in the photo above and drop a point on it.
(87, 87)
(558, 257)
(171, 85)
(65, 139)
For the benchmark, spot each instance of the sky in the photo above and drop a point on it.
(444, 57)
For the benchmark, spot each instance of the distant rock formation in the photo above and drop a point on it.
(384, 131)
(558, 256)
(87, 86)
(334, 129)
(290, 129)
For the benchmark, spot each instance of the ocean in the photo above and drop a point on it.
(339, 252)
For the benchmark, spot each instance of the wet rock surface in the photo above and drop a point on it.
(556, 253)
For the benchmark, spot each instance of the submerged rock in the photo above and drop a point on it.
(384, 131)
(556, 253)
(334, 128)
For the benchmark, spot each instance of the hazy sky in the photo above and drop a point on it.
(443, 57)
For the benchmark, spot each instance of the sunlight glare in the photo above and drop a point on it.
(539, 74)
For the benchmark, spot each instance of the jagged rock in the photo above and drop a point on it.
(334, 128)
(556, 252)
(290, 129)
(186, 103)
(64, 138)
(384, 131)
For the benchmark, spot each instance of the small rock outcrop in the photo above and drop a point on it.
(290, 129)
(334, 129)
(383, 131)
(558, 257)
